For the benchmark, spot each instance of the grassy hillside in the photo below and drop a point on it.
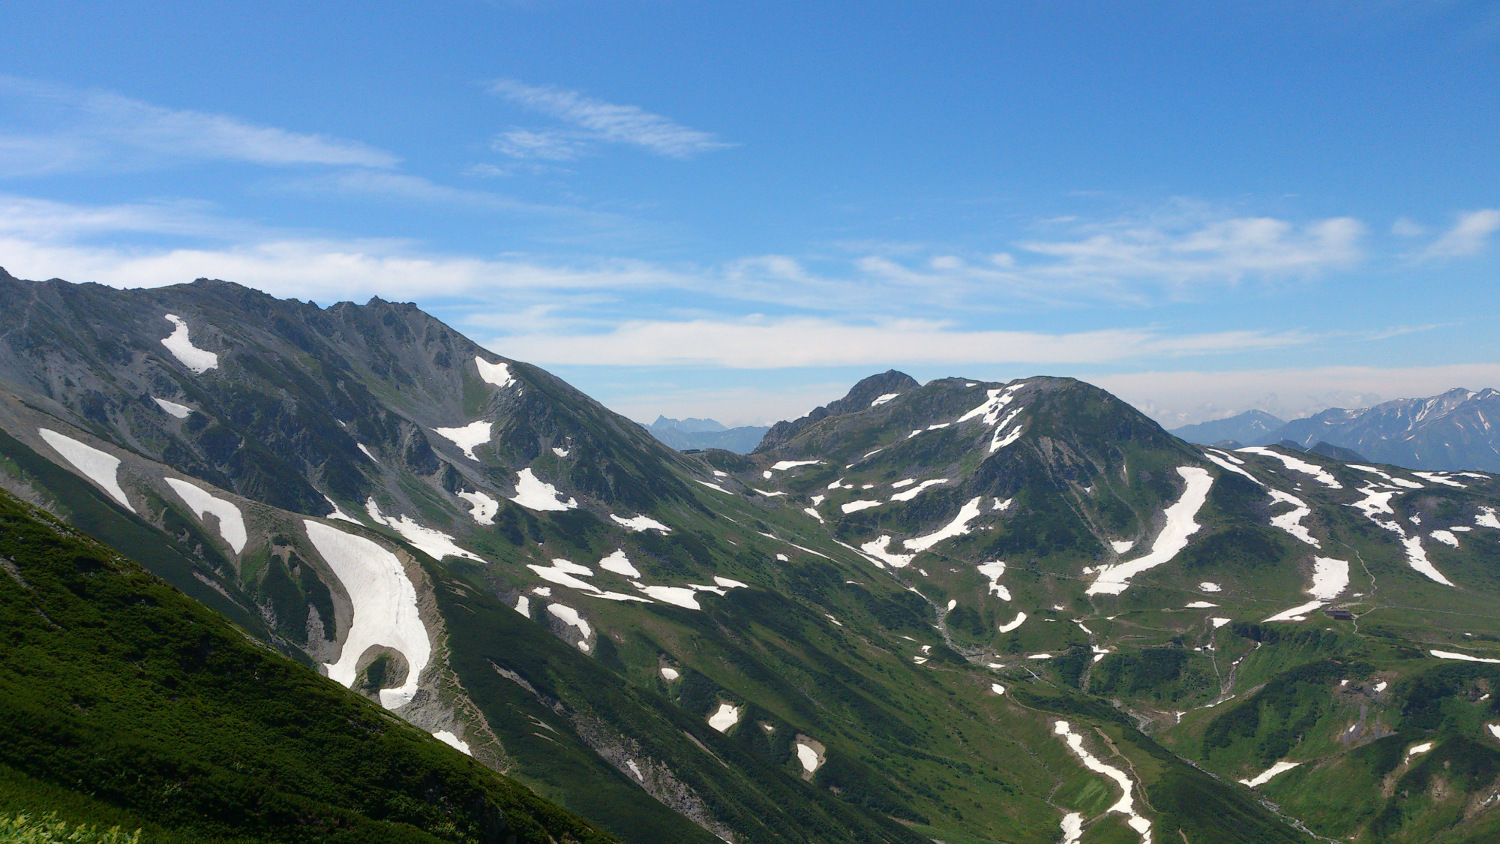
(124, 702)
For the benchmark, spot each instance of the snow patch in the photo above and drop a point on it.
(1418, 748)
(182, 348)
(783, 465)
(1330, 577)
(1487, 518)
(523, 606)
(1219, 460)
(1114, 579)
(808, 756)
(534, 493)
(1269, 774)
(1463, 657)
(724, 717)
(669, 674)
(1437, 478)
(630, 763)
(1072, 828)
(100, 467)
(877, 549)
(337, 513)
(481, 507)
(468, 437)
(1296, 613)
(992, 572)
(880, 400)
(1208, 586)
(1201, 605)
(641, 523)
(995, 401)
(433, 543)
(1218, 622)
(569, 616)
(1317, 473)
(1402, 482)
(453, 741)
(918, 489)
(493, 373)
(958, 527)
(1014, 623)
(231, 521)
(1122, 545)
(856, 506)
(1445, 537)
(181, 411)
(618, 563)
(384, 608)
(1291, 521)
(363, 448)
(1126, 804)
(560, 452)
(674, 595)
(997, 688)
(561, 572)
(1416, 557)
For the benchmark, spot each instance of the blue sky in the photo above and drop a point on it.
(736, 210)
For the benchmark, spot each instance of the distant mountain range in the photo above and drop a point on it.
(1457, 430)
(687, 434)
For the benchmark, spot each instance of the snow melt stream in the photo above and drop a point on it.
(1126, 804)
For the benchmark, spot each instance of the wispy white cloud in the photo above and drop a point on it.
(598, 121)
(547, 145)
(1215, 252)
(82, 129)
(1469, 235)
(761, 343)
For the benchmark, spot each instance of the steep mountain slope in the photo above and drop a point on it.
(958, 611)
(1078, 537)
(1457, 430)
(1253, 427)
(126, 702)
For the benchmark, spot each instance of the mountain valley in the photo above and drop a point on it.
(958, 611)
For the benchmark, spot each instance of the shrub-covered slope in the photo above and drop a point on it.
(126, 702)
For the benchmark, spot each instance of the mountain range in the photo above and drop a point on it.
(1451, 432)
(960, 611)
(689, 434)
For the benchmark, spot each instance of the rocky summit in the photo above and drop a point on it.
(959, 611)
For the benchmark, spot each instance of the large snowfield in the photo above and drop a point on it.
(384, 608)
(98, 466)
(1114, 579)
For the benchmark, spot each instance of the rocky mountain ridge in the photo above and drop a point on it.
(959, 610)
(1453, 431)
